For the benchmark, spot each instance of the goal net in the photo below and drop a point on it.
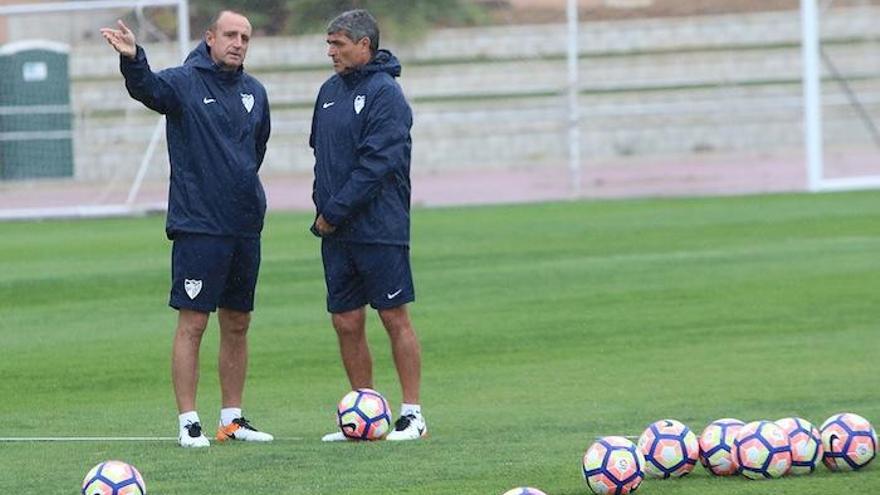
(728, 96)
(72, 142)
(632, 98)
(842, 93)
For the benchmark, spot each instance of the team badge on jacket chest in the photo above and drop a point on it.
(248, 101)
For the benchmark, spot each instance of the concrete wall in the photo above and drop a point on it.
(494, 97)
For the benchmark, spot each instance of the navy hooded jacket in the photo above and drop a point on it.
(217, 128)
(361, 140)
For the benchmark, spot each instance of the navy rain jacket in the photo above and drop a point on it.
(217, 129)
(361, 139)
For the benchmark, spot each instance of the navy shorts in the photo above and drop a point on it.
(357, 274)
(208, 272)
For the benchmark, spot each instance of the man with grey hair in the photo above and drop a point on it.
(361, 140)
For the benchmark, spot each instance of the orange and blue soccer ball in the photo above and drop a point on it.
(114, 478)
(850, 442)
(762, 450)
(806, 444)
(524, 490)
(716, 443)
(363, 414)
(613, 465)
(670, 448)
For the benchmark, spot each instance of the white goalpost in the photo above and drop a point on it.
(574, 128)
(96, 124)
(815, 59)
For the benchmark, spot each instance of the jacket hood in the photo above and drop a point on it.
(383, 61)
(200, 58)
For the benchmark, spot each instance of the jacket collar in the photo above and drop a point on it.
(200, 58)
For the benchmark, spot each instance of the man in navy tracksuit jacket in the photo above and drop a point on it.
(217, 129)
(361, 140)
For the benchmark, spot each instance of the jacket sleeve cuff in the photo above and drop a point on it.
(333, 213)
(139, 57)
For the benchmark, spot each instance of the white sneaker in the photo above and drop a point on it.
(191, 436)
(241, 429)
(409, 427)
(336, 436)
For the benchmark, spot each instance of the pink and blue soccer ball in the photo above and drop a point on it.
(716, 443)
(613, 465)
(670, 448)
(524, 490)
(363, 414)
(113, 478)
(849, 441)
(762, 450)
(806, 444)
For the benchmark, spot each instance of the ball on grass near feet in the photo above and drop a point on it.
(716, 443)
(113, 478)
(613, 465)
(363, 414)
(806, 444)
(670, 449)
(762, 450)
(849, 442)
(524, 490)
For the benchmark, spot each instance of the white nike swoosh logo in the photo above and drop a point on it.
(207, 100)
(328, 105)
(394, 294)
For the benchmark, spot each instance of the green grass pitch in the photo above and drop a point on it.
(542, 326)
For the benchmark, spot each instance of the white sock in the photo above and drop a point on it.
(187, 418)
(413, 409)
(227, 414)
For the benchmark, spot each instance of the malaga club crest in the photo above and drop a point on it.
(192, 287)
(248, 101)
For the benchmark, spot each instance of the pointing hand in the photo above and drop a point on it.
(122, 39)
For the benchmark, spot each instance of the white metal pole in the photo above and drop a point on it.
(812, 84)
(183, 28)
(574, 137)
(145, 162)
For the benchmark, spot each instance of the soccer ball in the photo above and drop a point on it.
(114, 478)
(716, 441)
(850, 442)
(524, 490)
(363, 414)
(806, 444)
(762, 450)
(613, 465)
(670, 449)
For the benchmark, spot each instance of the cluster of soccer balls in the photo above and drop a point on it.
(757, 450)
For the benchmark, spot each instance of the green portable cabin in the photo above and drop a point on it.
(35, 115)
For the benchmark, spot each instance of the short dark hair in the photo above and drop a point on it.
(213, 26)
(356, 25)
